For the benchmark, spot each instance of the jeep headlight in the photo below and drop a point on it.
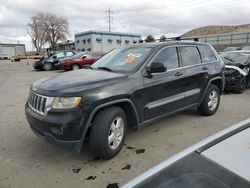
(65, 102)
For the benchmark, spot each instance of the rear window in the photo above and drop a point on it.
(190, 55)
(207, 54)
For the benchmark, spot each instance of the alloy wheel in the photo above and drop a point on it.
(213, 100)
(116, 133)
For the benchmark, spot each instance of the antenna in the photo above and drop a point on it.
(109, 18)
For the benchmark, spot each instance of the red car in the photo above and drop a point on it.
(80, 60)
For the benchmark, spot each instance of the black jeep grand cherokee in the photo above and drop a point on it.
(129, 87)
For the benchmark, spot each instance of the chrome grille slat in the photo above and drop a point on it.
(41, 104)
(37, 103)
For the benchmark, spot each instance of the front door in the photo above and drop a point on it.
(164, 92)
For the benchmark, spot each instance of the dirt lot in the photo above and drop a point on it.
(28, 161)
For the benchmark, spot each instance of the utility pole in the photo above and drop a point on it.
(109, 18)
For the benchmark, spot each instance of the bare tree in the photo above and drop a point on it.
(57, 28)
(36, 31)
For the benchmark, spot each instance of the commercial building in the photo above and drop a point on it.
(102, 41)
(9, 50)
(67, 45)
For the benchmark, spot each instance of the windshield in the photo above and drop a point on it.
(233, 57)
(123, 60)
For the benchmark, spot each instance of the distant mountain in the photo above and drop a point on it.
(216, 29)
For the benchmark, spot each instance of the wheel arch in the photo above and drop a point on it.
(218, 81)
(126, 104)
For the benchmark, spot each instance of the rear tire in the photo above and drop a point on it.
(75, 67)
(108, 132)
(47, 66)
(211, 101)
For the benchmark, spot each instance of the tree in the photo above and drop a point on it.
(163, 38)
(36, 31)
(47, 28)
(57, 28)
(150, 38)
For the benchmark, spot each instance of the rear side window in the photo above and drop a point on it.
(207, 54)
(168, 57)
(68, 54)
(59, 54)
(190, 55)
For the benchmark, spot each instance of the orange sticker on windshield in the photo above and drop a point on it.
(129, 59)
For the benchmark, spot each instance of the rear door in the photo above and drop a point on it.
(58, 56)
(164, 92)
(195, 74)
(209, 63)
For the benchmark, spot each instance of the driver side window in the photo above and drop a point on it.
(168, 57)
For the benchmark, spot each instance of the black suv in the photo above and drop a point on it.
(52, 61)
(129, 87)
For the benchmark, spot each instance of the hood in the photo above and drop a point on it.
(45, 59)
(80, 79)
(235, 64)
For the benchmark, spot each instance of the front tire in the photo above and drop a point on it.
(242, 86)
(108, 132)
(211, 101)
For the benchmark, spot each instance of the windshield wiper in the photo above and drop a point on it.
(105, 68)
(229, 59)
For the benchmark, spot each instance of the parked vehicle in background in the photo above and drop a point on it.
(127, 87)
(50, 62)
(237, 73)
(80, 60)
(231, 49)
(246, 48)
(220, 161)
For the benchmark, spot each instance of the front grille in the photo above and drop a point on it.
(37, 103)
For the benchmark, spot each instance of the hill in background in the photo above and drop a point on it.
(216, 29)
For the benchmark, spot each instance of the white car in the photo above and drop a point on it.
(220, 161)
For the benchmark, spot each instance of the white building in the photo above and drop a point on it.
(102, 41)
(9, 50)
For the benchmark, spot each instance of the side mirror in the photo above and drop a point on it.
(54, 56)
(83, 57)
(156, 67)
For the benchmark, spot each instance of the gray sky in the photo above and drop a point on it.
(169, 17)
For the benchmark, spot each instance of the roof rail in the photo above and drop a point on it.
(196, 39)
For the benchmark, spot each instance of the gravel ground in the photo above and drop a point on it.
(27, 161)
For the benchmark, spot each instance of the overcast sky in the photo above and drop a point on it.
(169, 17)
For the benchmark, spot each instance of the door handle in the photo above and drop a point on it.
(204, 68)
(178, 74)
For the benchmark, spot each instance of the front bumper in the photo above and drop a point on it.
(38, 65)
(61, 128)
(232, 84)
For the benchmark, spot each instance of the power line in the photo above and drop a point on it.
(158, 12)
(109, 18)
